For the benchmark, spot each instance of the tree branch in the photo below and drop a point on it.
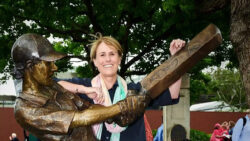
(129, 73)
(119, 21)
(130, 22)
(149, 46)
(90, 14)
(208, 6)
(125, 44)
(78, 57)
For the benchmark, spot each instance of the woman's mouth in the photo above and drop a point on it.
(107, 66)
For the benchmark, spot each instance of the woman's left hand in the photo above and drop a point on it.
(176, 45)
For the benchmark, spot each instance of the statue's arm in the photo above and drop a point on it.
(39, 119)
(94, 114)
(123, 113)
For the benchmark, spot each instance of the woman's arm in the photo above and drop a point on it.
(74, 88)
(92, 92)
(175, 46)
(175, 89)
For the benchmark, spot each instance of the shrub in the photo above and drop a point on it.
(196, 135)
(154, 131)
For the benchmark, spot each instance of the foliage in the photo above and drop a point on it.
(196, 135)
(84, 71)
(228, 86)
(222, 85)
(198, 86)
(154, 131)
(144, 28)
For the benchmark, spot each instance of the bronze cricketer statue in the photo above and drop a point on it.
(172, 69)
(50, 112)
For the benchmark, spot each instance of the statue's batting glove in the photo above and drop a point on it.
(131, 108)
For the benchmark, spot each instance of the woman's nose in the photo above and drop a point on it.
(107, 58)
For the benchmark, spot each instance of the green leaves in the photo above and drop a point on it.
(222, 85)
(170, 5)
(84, 71)
(143, 27)
(229, 87)
(69, 47)
(196, 135)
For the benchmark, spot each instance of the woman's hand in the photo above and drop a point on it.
(95, 93)
(176, 45)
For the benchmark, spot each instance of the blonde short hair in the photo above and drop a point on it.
(110, 41)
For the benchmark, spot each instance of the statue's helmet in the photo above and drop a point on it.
(29, 47)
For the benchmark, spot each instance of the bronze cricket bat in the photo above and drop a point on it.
(172, 69)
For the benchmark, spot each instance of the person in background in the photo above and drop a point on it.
(13, 137)
(217, 133)
(159, 134)
(224, 130)
(108, 87)
(241, 130)
(231, 127)
(225, 125)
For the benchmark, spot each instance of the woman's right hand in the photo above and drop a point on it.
(95, 93)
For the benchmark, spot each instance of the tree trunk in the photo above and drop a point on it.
(240, 37)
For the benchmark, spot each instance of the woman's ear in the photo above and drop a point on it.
(120, 59)
(94, 61)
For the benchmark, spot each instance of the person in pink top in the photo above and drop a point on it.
(217, 133)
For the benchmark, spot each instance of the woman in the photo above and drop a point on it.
(108, 87)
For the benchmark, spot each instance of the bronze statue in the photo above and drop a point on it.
(50, 112)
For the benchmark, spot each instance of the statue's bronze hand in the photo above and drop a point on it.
(132, 107)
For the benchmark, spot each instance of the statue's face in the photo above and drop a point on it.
(43, 71)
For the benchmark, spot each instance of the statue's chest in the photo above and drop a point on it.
(61, 101)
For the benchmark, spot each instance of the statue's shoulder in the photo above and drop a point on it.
(60, 90)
